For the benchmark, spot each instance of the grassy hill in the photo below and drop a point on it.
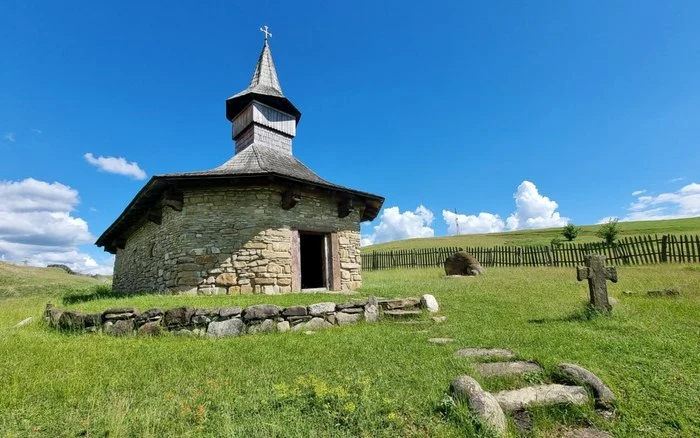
(19, 281)
(542, 237)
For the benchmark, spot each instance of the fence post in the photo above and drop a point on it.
(664, 248)
(519, 255)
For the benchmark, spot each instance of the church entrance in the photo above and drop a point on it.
(313, 260)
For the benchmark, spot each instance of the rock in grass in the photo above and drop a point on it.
(482, 403)
(266, 326)
(150, 329)
(429, 303)
(178, 317)
(604, 396)
(283, 326)
(122, 327)
(295, 311)
(313, 324)
(222, 329)
(371, 313)
(23, 322)
(343, 318)
(228, 312)
(320, 309)
(439, 319)
(541, 395)
(261, 311)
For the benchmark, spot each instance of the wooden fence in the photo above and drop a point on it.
(637, 250)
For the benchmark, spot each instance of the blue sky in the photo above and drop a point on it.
(530, 114)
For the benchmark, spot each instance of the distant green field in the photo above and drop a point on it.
(542, 237)
(367, 380)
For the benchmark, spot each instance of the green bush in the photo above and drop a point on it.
(609, 231)
(570, 232)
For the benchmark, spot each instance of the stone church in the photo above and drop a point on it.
(262, 222)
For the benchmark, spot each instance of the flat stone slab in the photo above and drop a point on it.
(402, 313)
(495, 369)
(440, 341)
(482, 403)
(541, 395)
(485, 352)
(604, 397)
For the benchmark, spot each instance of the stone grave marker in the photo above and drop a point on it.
(597, 273)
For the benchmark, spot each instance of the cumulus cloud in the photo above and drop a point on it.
(684, 202)
(472, 224)
(532, 210)
(116, 165)
(37, 226)
(394, 225)
(9, 136)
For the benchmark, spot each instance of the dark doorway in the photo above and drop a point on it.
(313, 260)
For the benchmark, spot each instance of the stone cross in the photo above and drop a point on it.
(597, 273)
(266, 32)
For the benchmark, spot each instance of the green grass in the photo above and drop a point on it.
(23, 281)
(542, 237)
(364, 380)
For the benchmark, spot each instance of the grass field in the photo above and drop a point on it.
(543, 237)
(364, 380)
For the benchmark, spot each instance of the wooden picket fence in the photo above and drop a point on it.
(636, 250)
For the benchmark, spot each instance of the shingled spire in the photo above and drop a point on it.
(265, 76)
(261, 114)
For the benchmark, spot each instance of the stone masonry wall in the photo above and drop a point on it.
(236, 321)
(235, 241)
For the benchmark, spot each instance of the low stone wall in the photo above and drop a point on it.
(236, 321)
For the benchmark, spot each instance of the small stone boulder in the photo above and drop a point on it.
(266, 326)
(320, 309)
(343, 318)
(121, 327)
(178, 317)
(150, 329)
(222, 329)
(429, 303)
(462, 263)
(482, 403)
(371, 313)
(295, 311)
(261, 311)
(228, 312)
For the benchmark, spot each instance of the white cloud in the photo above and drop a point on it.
(684, 202)
(37, 131)
(394, 225)
(9, 136)
(37, 226)
(638, 192)
(532, 210)
(116, 165)
(472, 224)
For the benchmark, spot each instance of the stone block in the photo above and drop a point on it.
(222, 329)
(226, 279)
(261, 311)
(320, 309)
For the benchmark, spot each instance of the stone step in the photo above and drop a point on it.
(485, 352)
(497, 369)
(402, 313)
(541, 395)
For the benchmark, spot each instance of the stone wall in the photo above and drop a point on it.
(235, 321)
(236, 241)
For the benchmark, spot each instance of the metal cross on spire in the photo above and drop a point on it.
(267, 33)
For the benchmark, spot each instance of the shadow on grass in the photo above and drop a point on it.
(587, 313)
(97, 293)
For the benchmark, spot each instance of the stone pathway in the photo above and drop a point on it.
(491, 409)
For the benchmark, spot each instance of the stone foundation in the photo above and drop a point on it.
(227, 321)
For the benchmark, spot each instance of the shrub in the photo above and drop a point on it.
(609, 231)
(570, 232)
(556, 242)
